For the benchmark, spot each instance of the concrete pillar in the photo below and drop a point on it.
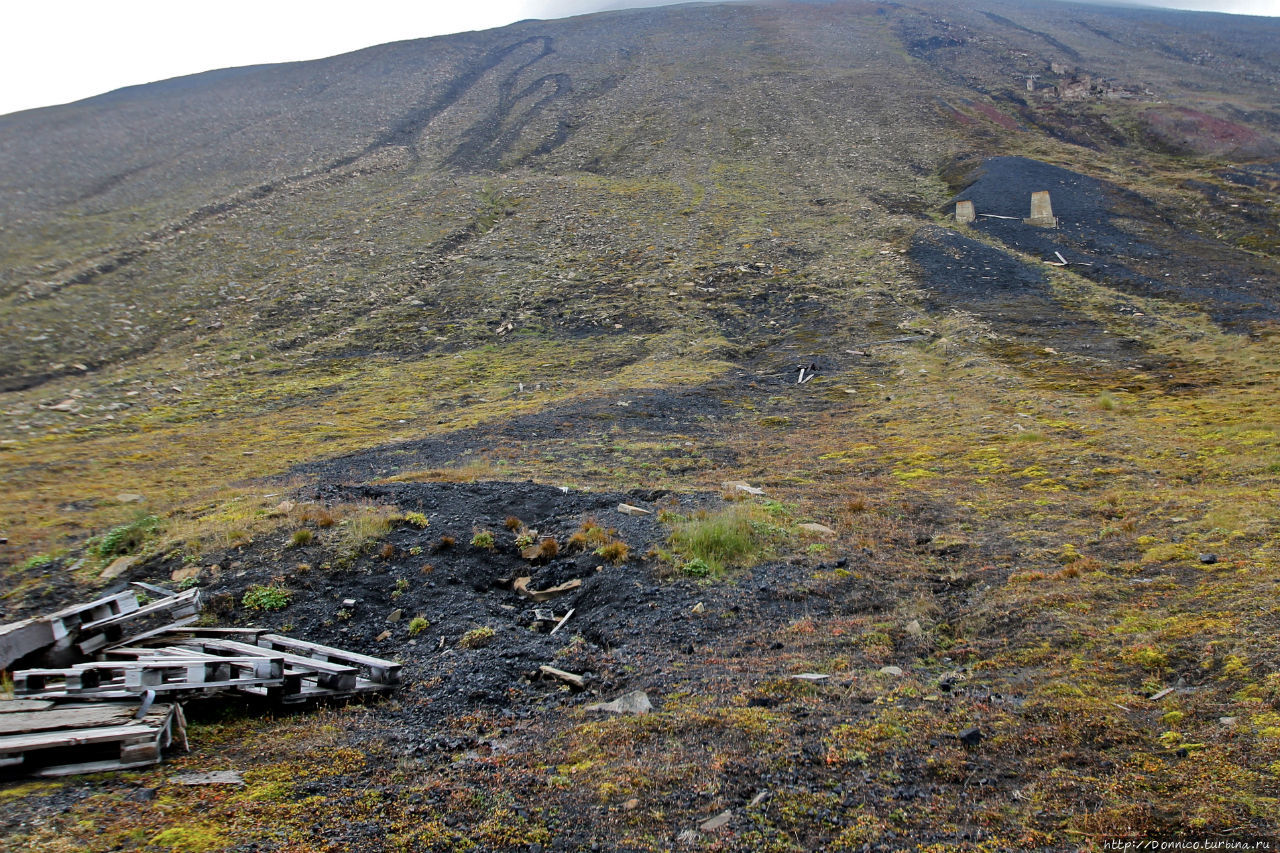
(964, 211)
(1041, 211)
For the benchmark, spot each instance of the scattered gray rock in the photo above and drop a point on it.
(395, 616)
(970, 737)
(130, 498)
(1209, 558)
(628, 509)
(635, 702)
(914, 629)
(895, 671)
(213, 777)
(720, 821)
(820, 529)
(689, 837)
(118, 567)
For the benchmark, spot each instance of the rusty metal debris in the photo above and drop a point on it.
(86, 701)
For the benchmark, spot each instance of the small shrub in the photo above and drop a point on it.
(187, 583)
(125, 538)
(387, 551)
(615, 551)
(324, 518)
(301, 537)
(577, 542)
(856, 503)
(220, 605)
(596, 534)
(39, 561)
(417, 625)
(512, 523)
(445, 543)
(548, 548)
(697, 567)
(264, 598)
(417, 519)
(1106, 402)
(477, 638)
(527, 538)
(482, 539)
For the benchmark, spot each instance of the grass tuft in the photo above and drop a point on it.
(716, 542)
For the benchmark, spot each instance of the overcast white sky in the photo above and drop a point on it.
(55, 51)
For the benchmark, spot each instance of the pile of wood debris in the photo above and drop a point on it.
(90, 702)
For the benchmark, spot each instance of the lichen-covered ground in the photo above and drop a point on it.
(1052, 489)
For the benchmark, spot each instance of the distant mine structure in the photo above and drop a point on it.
(1071, 84)
(1041, 211)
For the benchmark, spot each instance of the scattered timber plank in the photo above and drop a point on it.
(309, 691)
(569, 678)
(111, 721)
(521, 586)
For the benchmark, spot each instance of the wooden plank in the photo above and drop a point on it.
(103, 632)
(91, 767)
(195, 672)
(72, 737)
(22, 706)
(67, 718)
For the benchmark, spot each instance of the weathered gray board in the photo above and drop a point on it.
(86, 738)
(55, 631)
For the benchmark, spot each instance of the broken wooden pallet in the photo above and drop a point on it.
(145, 650)
(56, 631)
(174, 671)
(88, 738)
(376, 670)
(310, 670)
(102, 632)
